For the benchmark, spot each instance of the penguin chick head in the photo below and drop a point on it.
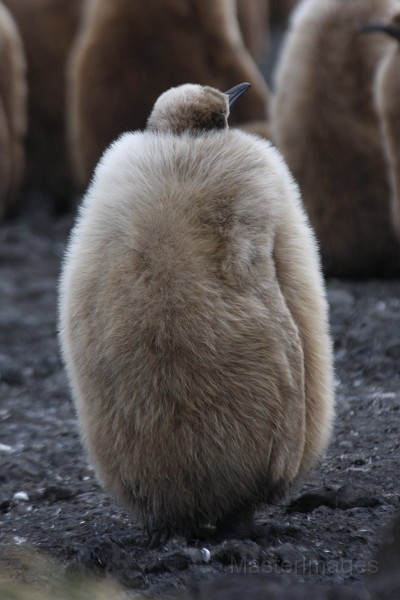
(192, 107)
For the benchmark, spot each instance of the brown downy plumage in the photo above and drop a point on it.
(387, 94)
(253, 18)
(47, 30)
(128, 52)
(325, 122)
(193, 320)
(12, 110)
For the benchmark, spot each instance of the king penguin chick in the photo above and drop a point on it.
(253, 16)
(12, 110)
(387, 93)
(193, 320)
(128, 52)
(324, 120)
(47, 28)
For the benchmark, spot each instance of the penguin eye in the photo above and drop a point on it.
(218, 120)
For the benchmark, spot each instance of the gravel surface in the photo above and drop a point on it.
(325, 532)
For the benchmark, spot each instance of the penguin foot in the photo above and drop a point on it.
(237, 524)
(240, 524)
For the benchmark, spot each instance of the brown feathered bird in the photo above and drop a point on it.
(128, 52)
(387, 94)
(47, 28)
(12, 110)
(193, 320)
(253, 18)
(325, 121)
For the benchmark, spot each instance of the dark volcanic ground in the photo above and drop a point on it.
(49, 498)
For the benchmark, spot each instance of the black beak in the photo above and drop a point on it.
(391, 30)
(235, 92)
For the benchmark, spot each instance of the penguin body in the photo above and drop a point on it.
(193, 320)
(127, 53)
(325, 122)
(47, 28)
(12, 110)
(253, 16)
(387, 90)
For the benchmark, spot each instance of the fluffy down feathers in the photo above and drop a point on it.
(47, 28)
(12, 110)
(193, 322)
(387, 90)
(253, 16)
(325, 122)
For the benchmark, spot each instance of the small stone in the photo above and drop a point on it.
(350, 496)
(6, 449)
(21, 497)
(206, 554)
(198, 556)
(324, 496)
(19, 540)
(344, 497)
(233, 552)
